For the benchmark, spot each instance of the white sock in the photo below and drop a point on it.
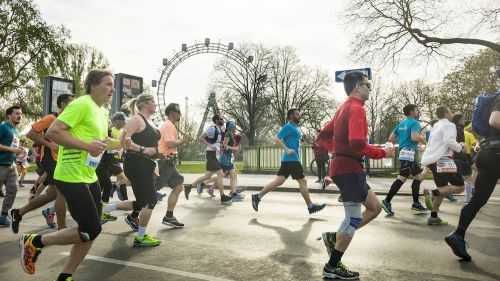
(141, 231)
(109, 207)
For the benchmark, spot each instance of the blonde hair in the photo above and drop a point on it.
(135, 105)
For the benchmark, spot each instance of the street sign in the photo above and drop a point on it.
(339, 75)
(53, 88)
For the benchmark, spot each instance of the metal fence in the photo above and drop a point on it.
(267, 158)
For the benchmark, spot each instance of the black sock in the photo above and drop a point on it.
(135, 214)
(460, 232)
(434, 214)
(335, 258)
(170, 214)
(63, 276)
(415, 189)
(37, 241)
(396, 185)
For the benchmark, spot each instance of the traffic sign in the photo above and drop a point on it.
(339, 75)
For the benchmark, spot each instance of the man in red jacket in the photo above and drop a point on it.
(346, 136)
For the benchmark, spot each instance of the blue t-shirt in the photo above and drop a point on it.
(290, 135)
(403, 133)
(8, 137)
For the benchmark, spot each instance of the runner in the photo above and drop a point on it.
(408, 135)
(9, 148)
(438, 158)
(80, 131)
(231, 145)
(212, 138)
(140, 141)
(470, 144)
(48, 156)
(22, 161)
(289, 138)
(346, 136)
(321, 157)
(169, 176)
(488, 174)
(110, 165)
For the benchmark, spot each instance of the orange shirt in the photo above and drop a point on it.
(168, 133)
(40, 126)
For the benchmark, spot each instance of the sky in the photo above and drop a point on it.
(136, 35)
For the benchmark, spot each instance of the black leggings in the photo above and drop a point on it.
(84, 204)
(488, 175)
(140, 172)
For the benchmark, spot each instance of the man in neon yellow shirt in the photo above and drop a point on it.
(81, 133)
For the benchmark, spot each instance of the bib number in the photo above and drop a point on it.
(446, 165)
(92, 161)
(407, 155)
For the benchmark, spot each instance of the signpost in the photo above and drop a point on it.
(53, 88)
(127, 87)
(339, 75)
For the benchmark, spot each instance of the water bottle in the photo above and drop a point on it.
(387, 162)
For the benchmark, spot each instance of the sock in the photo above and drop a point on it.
(460, 232)
(434, 214)
(396, 185)
(109, 208)
(415, 189)
(141, 231)
(335, 258)
(135, 214)
(170, 214)
(63, 276)
(37, 241)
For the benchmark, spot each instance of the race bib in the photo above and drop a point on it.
(407, 155)
(92, 161)
(15, 142)
(446, 165)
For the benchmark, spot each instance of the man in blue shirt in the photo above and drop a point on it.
(9, 148)
(408, 135)
(289, 139)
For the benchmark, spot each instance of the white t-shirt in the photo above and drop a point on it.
(442, 142)
(211, 134)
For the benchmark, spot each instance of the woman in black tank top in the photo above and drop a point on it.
(140, 141)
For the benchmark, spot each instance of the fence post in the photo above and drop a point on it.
(258, 158)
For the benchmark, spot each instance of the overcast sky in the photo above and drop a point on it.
(136, 35)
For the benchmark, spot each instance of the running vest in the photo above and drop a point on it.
(148, 137)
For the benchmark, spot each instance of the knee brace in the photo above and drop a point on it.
(352, 218)
(90, 233)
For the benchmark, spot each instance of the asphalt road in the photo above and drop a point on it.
(277, 243)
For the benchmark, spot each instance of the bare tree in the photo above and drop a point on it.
(392, 28)
(293, 85)
(244, 90)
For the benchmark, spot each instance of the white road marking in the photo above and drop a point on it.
(152, 267)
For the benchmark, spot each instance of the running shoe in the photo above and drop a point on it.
(428, 200)
(340, 272)
(15, 220)
(105, 217)
(237, 197)
(436, 221)
(146, 241)
(4, 221)
(255, 202)
(416, 206)
(458, 246)
(316, 208)
(199, 188)
(451, 198)
(387, 208)
(226, 200)
(211, 191)
(132, 222)
(49, 215)
(172, 221)
(187, 190)
(29, 253)
(329, 239)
